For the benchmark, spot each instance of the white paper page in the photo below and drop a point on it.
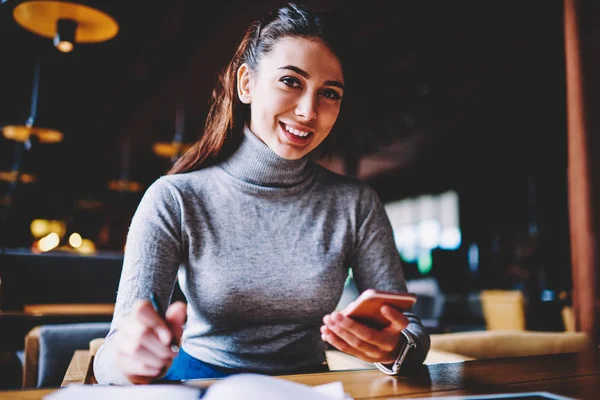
(262, 387)
(142, 392)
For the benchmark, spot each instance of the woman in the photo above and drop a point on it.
(262, 237)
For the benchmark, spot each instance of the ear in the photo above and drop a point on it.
(243, 84)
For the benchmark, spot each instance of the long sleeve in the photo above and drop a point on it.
(152, 257)
(376, 264)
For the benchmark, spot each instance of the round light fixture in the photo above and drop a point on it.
(21, 133)
(66, 23)
(123, 185)
(170, 150)
(12, 176)
(65, 35)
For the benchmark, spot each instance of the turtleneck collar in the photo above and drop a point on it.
(254, 162)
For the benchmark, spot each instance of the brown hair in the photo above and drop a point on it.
(227, 114)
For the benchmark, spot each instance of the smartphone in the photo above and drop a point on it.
(366, 309)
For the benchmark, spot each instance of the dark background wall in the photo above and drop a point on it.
(461, 95)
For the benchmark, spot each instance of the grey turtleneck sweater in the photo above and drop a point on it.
(263, 246)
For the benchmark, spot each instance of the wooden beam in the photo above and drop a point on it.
(583, 251)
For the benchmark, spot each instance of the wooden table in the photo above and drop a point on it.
(572, 375)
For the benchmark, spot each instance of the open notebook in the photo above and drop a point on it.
(247, 386)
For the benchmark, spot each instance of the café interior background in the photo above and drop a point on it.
(455, 113)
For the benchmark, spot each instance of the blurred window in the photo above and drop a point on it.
(424, 223)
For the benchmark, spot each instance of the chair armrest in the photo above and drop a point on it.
(79, 369)
(30, 365)
(95, 345)
(85, 359)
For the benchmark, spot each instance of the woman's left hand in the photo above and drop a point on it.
(363, 342)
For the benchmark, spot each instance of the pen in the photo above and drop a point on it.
(161, 313)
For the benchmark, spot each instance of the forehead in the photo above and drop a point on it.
(310, 55)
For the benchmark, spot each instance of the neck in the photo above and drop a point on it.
(256, 163)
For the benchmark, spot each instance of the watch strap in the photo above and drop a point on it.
(404, 349)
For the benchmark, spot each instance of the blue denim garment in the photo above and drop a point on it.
(187, 367)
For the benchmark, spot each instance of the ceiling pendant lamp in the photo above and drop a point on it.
(124, 185)
(66, 23)
(12, 176)
(27, 133)
(174, 149)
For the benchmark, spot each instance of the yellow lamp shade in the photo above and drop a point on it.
(125, 186)
(21, 133)
(169, 150)
(85, 204)
(41, 17)
(11, 176)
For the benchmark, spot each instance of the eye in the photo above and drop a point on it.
(290, 81)
(331, 94)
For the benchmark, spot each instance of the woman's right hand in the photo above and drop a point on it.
(144, 339)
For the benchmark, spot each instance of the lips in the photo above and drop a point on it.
(296, 135)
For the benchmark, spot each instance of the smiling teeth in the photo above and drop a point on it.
(296, 131)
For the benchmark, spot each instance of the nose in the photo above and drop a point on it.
(307, 107)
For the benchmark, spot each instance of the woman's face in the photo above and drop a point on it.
(294, 96)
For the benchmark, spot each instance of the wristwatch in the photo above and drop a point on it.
(404, 349)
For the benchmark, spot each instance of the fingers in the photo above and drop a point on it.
(341, 345)
(145, 357)
(136, 371)
(361, 341)
(140, 336)
(143, 342)
(139, 379)
(361, 331)
(382, 339)
(144, 312)
(139, 364)
(348, 331)
(398, 320)
(176, 316)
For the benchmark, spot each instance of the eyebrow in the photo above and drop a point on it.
(306, 75)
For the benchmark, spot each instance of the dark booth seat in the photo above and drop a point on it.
(55, 348)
